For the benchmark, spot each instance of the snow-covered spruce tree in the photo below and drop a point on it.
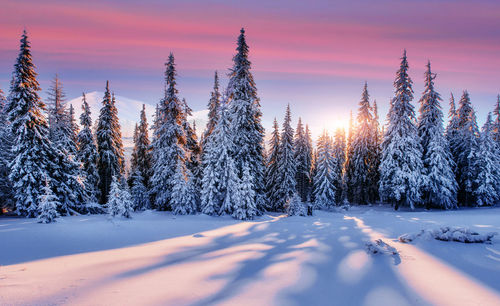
(139, 192)
(295, 207)
(141, 156)
(339, 147)
(348, 164)
(310, 153)
(324, 188)
(48, 203)
(213, 110)
(401, 165)
(32, 153)
(67, 173)
(73, 126)
(87, 153)
(183, 200)
(110, 161)
(60, 121)
(376, 137)
(287, 166)
(220, 179)
(244, 198)
(245, 117)
(303, 162)
(193, 152)
(439, 186)
(6, 194)
(363, 157)
(271, 173)
(119, 203)
(487, 165)
(495, 133)
(169, 140)
(464, 146)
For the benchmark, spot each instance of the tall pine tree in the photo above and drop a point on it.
(362, 158)
(246, 128)
(401, 165)
(6, 195)
(271, 173)
(287, 167)
(487, 165)
(303, 161)
(110, 161)
(169, 141)
(439, 185)
(87, 153)
(33, 154)
(464, 146)
(324, 188)
(495, 133)
(339, 148)
(213, 110)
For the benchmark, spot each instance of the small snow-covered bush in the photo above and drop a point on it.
(119, 200)
(47, 209)
(295, 207)
(447, 233)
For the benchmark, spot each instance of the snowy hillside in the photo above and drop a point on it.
(160, 259)
(128, 112)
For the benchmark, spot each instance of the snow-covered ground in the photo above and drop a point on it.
(157, 258)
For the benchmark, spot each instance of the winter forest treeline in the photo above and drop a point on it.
(51, 166)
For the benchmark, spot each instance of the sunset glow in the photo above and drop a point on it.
(311, 55)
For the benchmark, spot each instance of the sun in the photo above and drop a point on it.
(335, 123)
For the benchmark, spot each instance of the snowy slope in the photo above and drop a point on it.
(160, 259)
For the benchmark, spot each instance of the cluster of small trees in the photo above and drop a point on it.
(50, 166)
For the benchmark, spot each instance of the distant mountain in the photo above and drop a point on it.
(128, 112)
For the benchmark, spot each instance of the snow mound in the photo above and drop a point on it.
(448, 233)
(380, 247)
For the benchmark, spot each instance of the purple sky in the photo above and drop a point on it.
(314, 55)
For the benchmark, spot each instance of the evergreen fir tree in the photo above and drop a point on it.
(362, 158)
(213, 110)
(183, 200)
(32, 153)
(193, 152)
(324, 188)
(401, 165)
(495, 133)
(6, 140)
(271, 174)
(119, 202)
(287, 167)
(487, 165)
(303, 162)
(73, 127)
(110, 161)
(439, 185)
(60, 122)
(169, 140)
(48, 203)
(246, 128)
(339, 152)
(310, 160)
(295, 207)
(139, 192)
(141, 155)
(464, 146)
(376, 155)
(348, 164)
(244, 198)
(87, 153)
